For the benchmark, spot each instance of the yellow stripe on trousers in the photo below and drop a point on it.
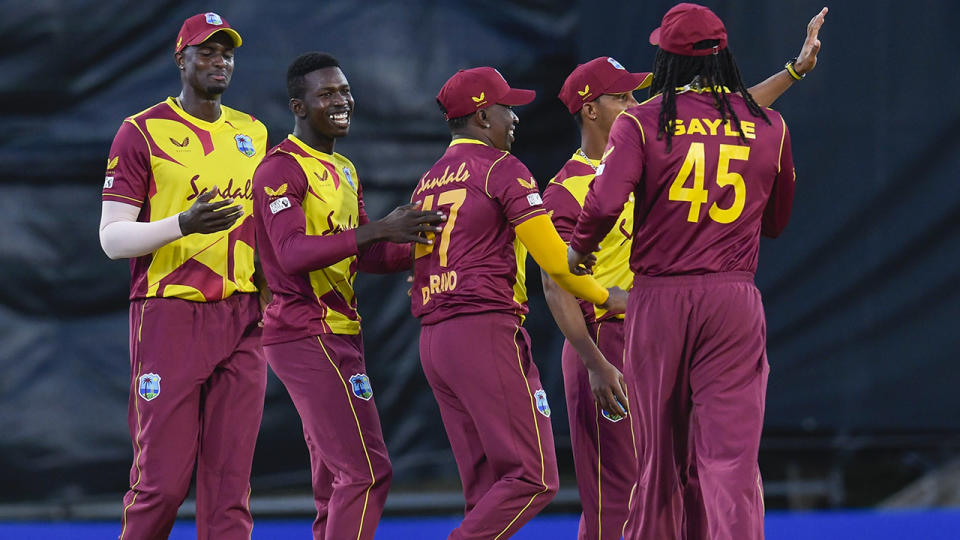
(373, 479)
(533, 410)
(136, 438)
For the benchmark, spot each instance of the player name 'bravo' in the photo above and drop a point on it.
(711, 126)
(439, 283)
(446, 178)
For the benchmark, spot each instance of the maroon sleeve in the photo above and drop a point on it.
(279, 186)
(616, 178)
(511, 184)
(777, 212)
(563, 208)
(381, 257)
(127, 179)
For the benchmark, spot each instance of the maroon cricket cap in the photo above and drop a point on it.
(470, 90)
(602, 75)
(200, 27)
(686, 24)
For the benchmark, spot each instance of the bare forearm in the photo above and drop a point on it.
(766, 92)
(566, 312)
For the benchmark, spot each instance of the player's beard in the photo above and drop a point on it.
(215, 90)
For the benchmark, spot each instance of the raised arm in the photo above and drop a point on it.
(766, 92)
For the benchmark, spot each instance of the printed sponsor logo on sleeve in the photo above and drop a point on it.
(279, 205)
(108, 182)
(534, 199)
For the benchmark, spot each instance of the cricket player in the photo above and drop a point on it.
(708, 170)
(177, 202)
(470, 296)
(592, 359)
(314, 236)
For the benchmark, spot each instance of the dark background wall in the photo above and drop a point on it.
(860, 291)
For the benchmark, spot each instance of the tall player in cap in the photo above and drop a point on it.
(314, 235)
(470, 296)
(595, 93)
(709, 171)
(177, 202)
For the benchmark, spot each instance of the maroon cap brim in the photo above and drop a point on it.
(516, 96)
(655, 36)
(629, 82)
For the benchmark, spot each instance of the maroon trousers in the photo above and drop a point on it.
(696, 371)
(496, 416)
(196, 399)
(326, 378)
(604, 454)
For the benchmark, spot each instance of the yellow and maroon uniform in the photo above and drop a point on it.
(470, 296)
(695, 330)
(308, 204)
(603, 446)
(194, 339)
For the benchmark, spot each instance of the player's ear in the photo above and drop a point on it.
(589, 111)
(179, 59)
(482, 119)
(297, 108)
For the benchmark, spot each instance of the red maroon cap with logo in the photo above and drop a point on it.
(470, 90)
(602, 75)
(686, 24)
(200, 27)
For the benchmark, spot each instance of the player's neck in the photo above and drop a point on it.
(472, 134)
(593, 143)
(206, 108)
(311, 138)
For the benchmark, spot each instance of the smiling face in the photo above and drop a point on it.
(207, 67)
(327, 105)
(502, 125)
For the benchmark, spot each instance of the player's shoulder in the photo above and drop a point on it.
(241, 120)
(281, 155)
(343, 161)
(572, 172)
(157, 110)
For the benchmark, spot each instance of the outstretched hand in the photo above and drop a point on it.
(408, 223)
(617, 301)
(580, 264)
(206, 217)
(807, 59)
(606, 383)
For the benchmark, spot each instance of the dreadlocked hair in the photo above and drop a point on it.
(712, 72)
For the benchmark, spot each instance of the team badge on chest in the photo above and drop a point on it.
(346, 173)
(542, 406)
(148, 386)
(360, 384)
(245, 144)
(613, 417)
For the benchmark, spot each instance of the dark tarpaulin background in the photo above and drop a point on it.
(859, 291)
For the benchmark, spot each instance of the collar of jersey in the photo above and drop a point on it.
(323, 156)
(592, 162)
(466, 140)
(699, 90)
(202, 124)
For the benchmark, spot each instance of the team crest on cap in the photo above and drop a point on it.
(213, 18)
(245, 145)
(615, 64)
(585, 93)
(479, 100)
(148, 386)
(346, 172)
(360, 384)
(542, 406)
